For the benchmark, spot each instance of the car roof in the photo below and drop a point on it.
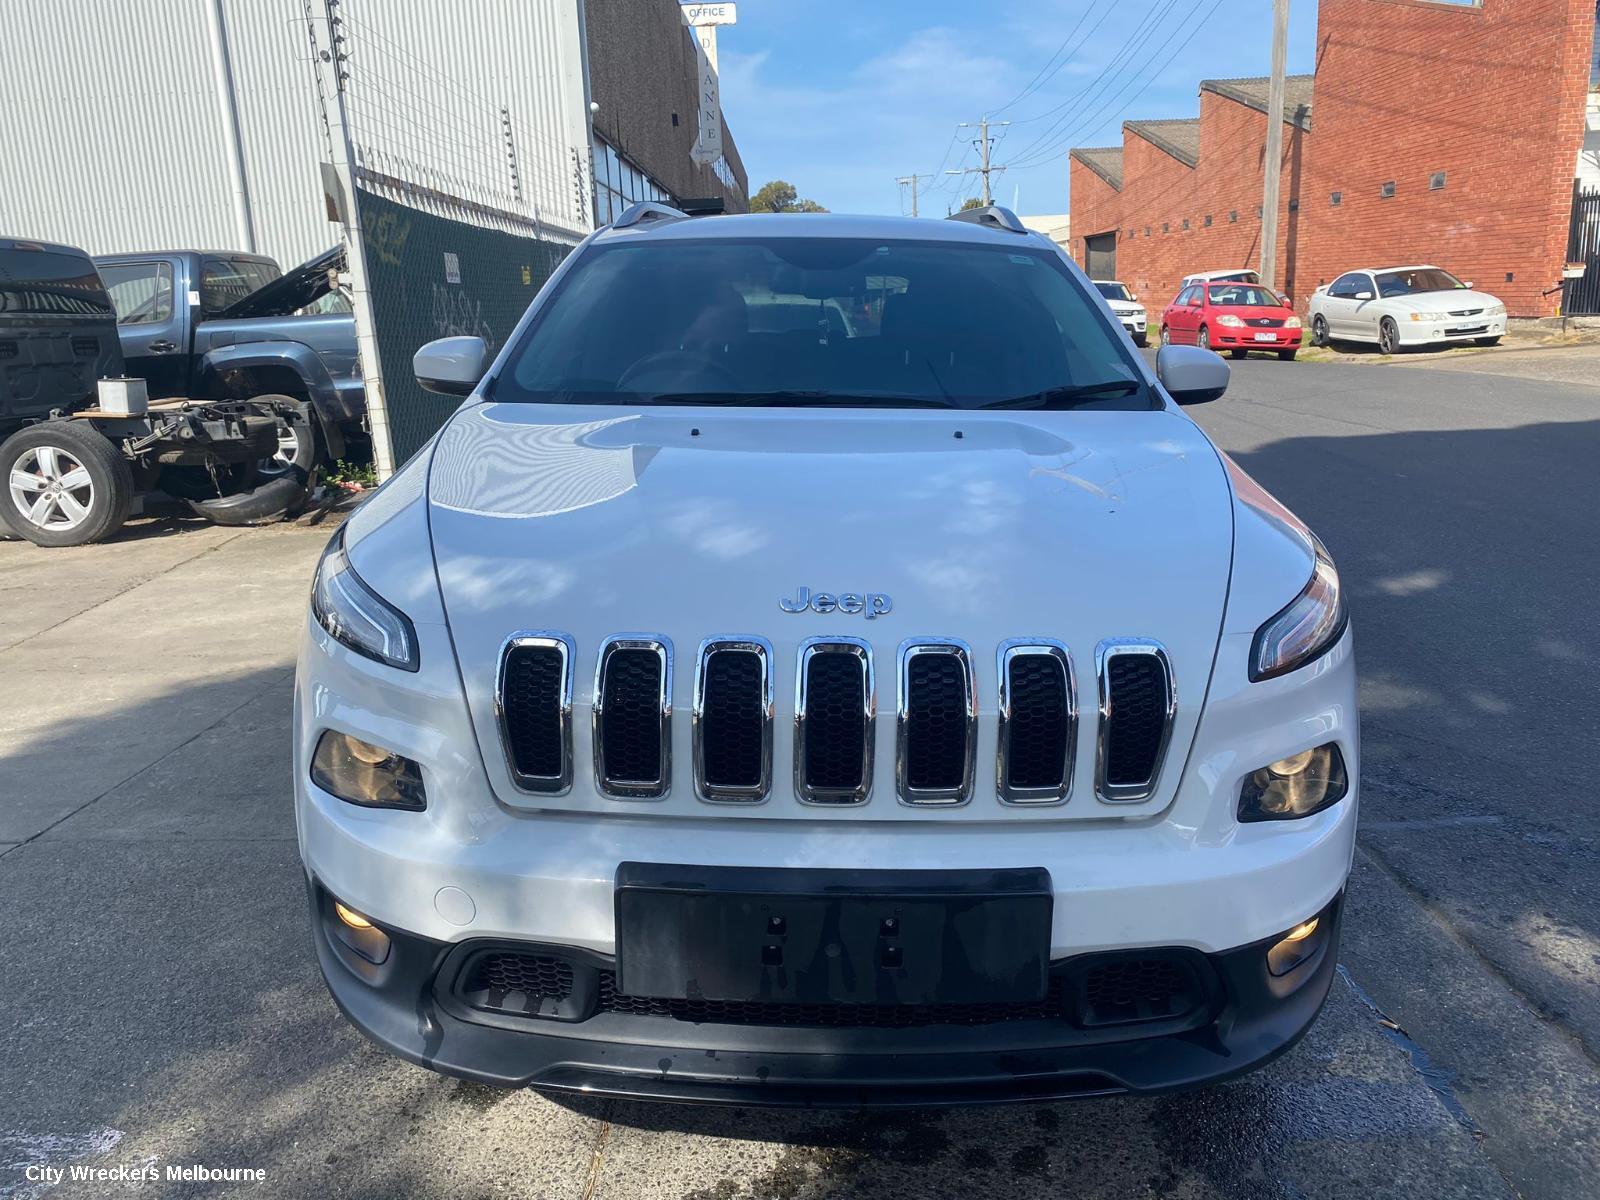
(1207, 276)
(170, 251)
(8, 242)
(1118, 282)
(821, 225)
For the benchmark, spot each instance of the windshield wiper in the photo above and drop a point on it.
(797, 399)
(1067, 397)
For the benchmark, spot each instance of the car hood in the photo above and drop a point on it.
(1125, 306)
(695, 523)
(291, 291)
(1455, 300)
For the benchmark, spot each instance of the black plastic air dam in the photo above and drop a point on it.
(397, 1006)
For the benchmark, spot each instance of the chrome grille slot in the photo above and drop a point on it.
(1038, 727)
(835, 714)
(533, 703)
(732, 722)
(632, 718)
(936, 723)
(1138, 701)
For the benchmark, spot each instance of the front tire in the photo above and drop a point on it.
(1287, 355)
(65, 485)
(1141, 340)
(1488, 341)
(1238, 353)
(1319, 330)
(299, 442)
(1388, 337)
(1166, 336)
(1203, 340)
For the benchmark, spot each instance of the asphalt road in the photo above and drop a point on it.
(164, 1007)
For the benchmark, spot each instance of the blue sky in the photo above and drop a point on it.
(839, 98)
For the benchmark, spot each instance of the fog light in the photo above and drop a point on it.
(356, 921)
(1296, 946)
(359, 934)
(362, 773)
(1296, 786)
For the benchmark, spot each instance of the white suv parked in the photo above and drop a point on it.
(1127, 308)
(910, 708)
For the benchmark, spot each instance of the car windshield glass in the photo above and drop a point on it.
(1114, 291)
(1243, 294)
(1409, 283)
(818, 322)
(49, 283)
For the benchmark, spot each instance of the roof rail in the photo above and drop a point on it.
(647, 210)
(991, 215)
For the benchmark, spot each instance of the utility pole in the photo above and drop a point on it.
(912, 180)
(983, 142)
(1272, 168)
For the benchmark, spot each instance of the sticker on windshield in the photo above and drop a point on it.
(1026, 260)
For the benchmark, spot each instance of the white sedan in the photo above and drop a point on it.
(1404, 306)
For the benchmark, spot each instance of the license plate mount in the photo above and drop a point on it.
(1266, 337)
(832, 936)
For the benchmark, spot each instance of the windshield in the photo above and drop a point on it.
(1114, 291)
(1244, 294)
(820, 322)
(50, 283)
(1409, 283)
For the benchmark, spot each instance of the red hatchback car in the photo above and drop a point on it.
(1236, 317)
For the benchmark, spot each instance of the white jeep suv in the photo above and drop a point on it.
(1126, 307)
(915, 708)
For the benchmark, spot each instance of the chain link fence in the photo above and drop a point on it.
(470, 178)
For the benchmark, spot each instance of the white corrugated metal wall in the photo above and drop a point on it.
(113, 135)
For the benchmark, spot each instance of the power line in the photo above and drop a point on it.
(1041, 77)
(984, 143)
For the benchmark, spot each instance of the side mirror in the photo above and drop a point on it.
(1191, 375)
(1466, 283)
(451, 366)
(1362, 296)
(1133, 298)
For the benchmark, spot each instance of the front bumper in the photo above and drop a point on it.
(1280, 339)
(409, 1006)
(1420, 333)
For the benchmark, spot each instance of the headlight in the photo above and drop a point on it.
(1495, 310)
(356, 616)
(1292, 323)
(1430, 318)
(1231, 321)
(360, 773)
(1296, 786)
(1306, 629)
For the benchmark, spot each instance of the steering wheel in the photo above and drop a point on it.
(683, 369)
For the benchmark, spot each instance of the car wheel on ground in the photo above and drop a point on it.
(1238, 352)
(1166, 336)
(65, 485)
(1204, 338)
(1287, 355)
(1388, 336)
(1319, 330)
(1141, 340)
(1488, 341)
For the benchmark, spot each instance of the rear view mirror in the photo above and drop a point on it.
(1191, 375)
(1363, 295)
(451, 366)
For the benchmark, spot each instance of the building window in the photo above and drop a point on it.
(1435, 181)
(1387, 190)
(1166, 227)
(1294, 206)
(1335, 199)
(1259, 211)
(1233, 216)
(1147, 231)
(618, 182)
(1208, 220)
(674, 120)
(1186, 222)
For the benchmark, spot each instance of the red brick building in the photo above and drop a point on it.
(1444, 132)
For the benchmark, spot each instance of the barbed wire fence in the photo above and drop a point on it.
(457, 202)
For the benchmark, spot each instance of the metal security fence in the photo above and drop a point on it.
(1581, 296)
(431, 277)
(459, 168)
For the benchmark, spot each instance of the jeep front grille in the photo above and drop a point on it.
(1137, 705)
(834, 717)
(733, 706)
(1038, 728)
(632, 718)
(936, 723)
(534, 705)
